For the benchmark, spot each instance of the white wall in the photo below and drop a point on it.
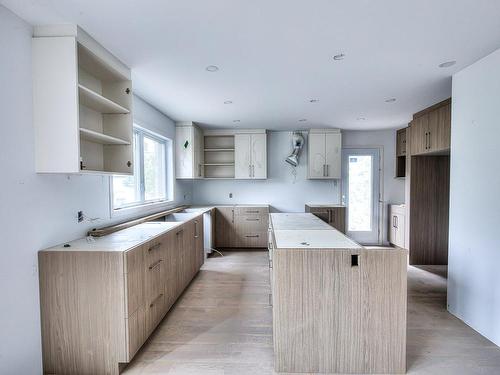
(474, 248)
(37, 211)
(287, 193)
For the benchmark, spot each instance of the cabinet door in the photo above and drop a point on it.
(441, 138)
(337, 218)
(184, 152)
(401, 142)
(432, 131)
(200, 248)
(418, 135)
(333, 145)
(225, 235)
(135, 279)
(242, 156)
(258, 149)
(317, 156)
(400, 231)
(392, 229)
(198, 153)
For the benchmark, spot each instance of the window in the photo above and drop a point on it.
(149, 184)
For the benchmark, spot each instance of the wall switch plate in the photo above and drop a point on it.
(230, 195)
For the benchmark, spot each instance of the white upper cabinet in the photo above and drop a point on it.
(188, 151)
(324, 154)
(82, 104)
(250, 157)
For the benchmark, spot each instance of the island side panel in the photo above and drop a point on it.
(332, 317)
(82, 293)
(384, 296)
(316, 304)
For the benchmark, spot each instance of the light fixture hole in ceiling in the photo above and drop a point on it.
(228, 102)
(236, 121)
(303, 120)
(361, 119)
(447, 64)
(339, 57)
(390, 100)
(212, 68)
(313, 100)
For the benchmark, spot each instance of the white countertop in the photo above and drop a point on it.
(122, 240)
(326, 205)
(292, 221)
(313, 239)
(306, 231)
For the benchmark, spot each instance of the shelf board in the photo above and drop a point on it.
(219, 164)
(98, 102)
(98, 67)
(96, 137)
(218, 149)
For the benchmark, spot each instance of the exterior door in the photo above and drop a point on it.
(361, 193)
(258, 153)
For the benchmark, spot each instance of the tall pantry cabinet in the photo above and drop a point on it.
(82, 104)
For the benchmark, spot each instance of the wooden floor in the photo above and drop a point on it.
(222, 324)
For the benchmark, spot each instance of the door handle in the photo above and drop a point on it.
(328, 170)
(153, 266)
(429, 141)
(397, 222)
(329, 216)
(324, 173)
(196, 229)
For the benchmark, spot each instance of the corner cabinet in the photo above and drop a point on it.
(82, 104)
(220, 154)
(324, 155)
(189, 161)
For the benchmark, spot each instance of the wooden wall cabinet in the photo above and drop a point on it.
(431, 130)
(98, 307)
(397, 215)
(241, 226)
(335, 215)
(324, 154)
(82, 104)
(250, 156)
(401, 152)
(189, 161)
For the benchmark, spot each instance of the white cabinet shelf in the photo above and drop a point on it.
(99, 103)
(93, 136)
(218, 149)
(82, 104)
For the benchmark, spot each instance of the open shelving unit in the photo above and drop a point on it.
(219, 156)
(82, 104)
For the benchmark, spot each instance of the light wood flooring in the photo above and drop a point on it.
(222, 324)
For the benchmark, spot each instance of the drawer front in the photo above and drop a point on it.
(134, 278)
(241, 210)
(136, 329)
(155, 311)
(253, 239)
(153, 250)
(252, 223)
(153, 282)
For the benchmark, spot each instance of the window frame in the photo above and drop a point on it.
(151, 205)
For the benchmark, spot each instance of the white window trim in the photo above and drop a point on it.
(151, 206)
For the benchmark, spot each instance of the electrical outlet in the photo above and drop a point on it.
(80, 216)
(230, 195)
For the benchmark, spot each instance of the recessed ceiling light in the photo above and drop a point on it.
(391, 100)
(236, 121)
(302, 120)
(447, 64)
(228, 102)
(313, 100)
(361, 118)
(339, 57)
(212, 68)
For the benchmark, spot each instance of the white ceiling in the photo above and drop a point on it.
(276, 55)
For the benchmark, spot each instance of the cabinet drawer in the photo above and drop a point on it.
(250, 223)
(253, 239)
(153, 282)
(153, 249)
(241, 210)
(155, 311)
(136, 331)
(134, 278)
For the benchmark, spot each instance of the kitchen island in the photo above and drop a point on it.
(337, 306)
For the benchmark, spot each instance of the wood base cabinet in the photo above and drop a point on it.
(333, 215)
(99, 305)
(241, 226)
